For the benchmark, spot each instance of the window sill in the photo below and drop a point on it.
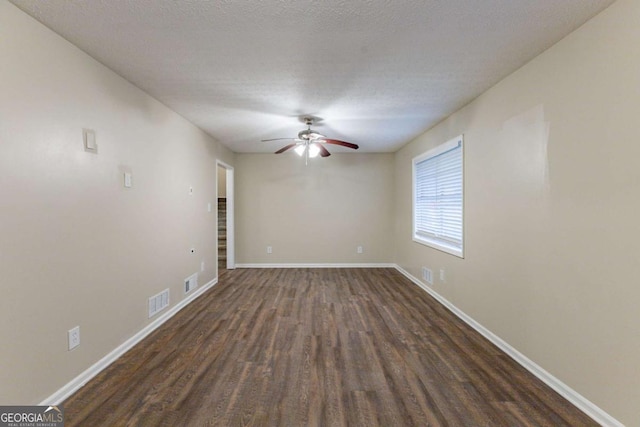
(441, 246)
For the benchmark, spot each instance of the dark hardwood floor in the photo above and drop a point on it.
(317, 347)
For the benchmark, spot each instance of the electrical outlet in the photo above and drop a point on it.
(442, 276)
(209, 207)
(191, 191)
(74, 337)
(202, 266)
(359, 249)
(269, 250)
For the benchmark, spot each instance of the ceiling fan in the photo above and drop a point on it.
(310, 143)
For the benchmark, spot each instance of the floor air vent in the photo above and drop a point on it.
(427, 275)
(158, 302)
(190, 283)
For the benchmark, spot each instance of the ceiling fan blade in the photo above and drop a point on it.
(278, 139)
(323, 151)
(338, 142)
(285, 148)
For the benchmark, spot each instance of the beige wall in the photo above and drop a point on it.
(318, 213)
(552, 236)
(552, 196)
(77, 248)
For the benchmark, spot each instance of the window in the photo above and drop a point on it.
(438, 197)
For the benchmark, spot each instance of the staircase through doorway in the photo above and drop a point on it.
(222, 234)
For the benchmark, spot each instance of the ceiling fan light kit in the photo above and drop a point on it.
(311, 149)
(310, 143)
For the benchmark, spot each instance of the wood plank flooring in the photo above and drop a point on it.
(317, 347)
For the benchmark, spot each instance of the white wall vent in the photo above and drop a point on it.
(190, 283)
(158, 302)
(427, 275)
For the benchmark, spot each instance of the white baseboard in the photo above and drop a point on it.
(319, 265)
(561, 388)
(74, 385)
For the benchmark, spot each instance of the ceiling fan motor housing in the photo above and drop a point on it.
(309, 134)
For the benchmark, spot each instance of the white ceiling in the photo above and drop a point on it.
(378, 72)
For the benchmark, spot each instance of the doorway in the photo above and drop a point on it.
(225, 234)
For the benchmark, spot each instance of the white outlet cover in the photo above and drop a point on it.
(74, 337)
(191, 191)
(269, 249)
(209, 207)
(127, 180)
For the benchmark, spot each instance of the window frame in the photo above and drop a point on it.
(434, 242)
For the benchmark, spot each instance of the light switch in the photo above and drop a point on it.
(127, 180)
(89, 137)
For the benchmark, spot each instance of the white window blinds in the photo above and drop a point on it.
(438, 197)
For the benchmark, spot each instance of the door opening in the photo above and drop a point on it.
(225, 206)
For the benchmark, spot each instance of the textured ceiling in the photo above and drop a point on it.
(378, 72)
